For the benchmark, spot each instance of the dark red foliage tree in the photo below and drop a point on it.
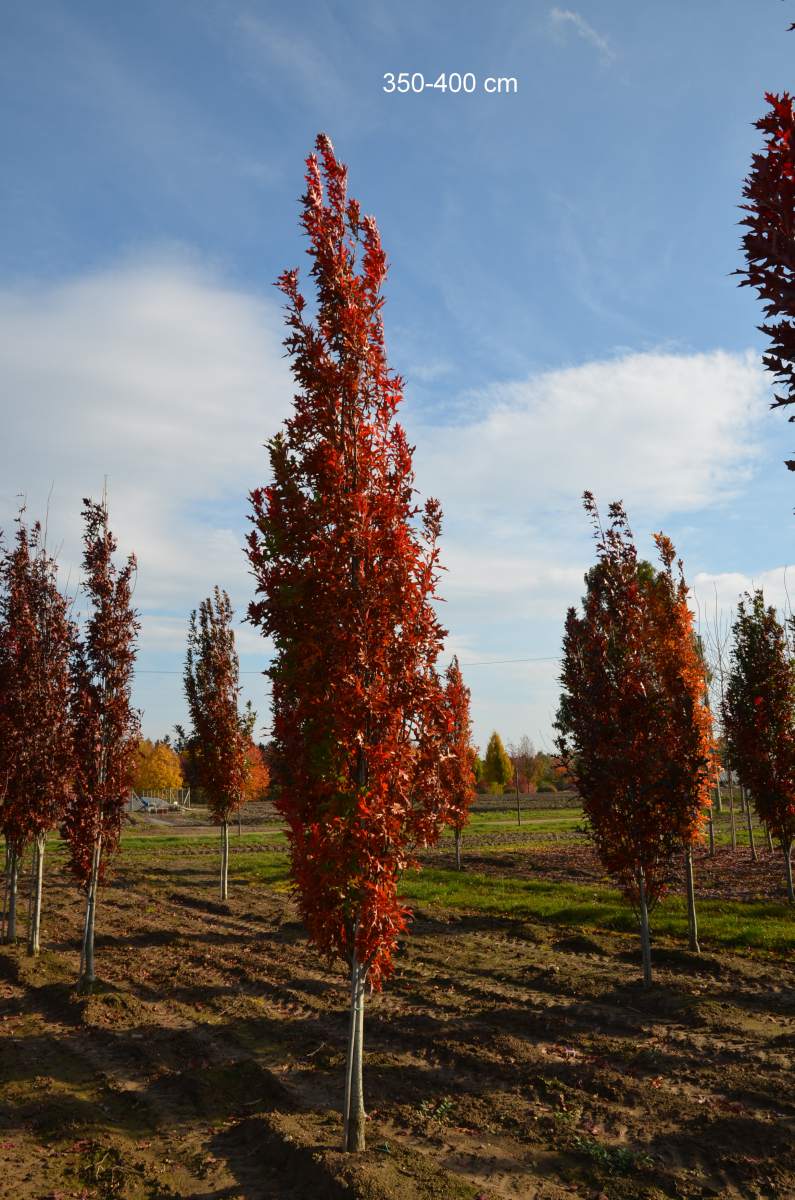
(759, 718)
(220, 735)
(345, 581)
(769, 243)
(107, 727)
(458, 767)
(36, 748)
(634, 730)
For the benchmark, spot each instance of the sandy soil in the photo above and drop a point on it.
(505, 1060)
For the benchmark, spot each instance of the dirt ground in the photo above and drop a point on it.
(506, 1059)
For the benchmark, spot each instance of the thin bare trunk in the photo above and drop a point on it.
(645, 937)
(224, 860)
(770, 845)
(518, 807)
(34, 931)
(458, 850)
(750, 820)
(87, 956)
(718, 796)
(692, 922)
(732, 818)
(711, 825)
(353, 1135)
(13, 878)
(787, 848)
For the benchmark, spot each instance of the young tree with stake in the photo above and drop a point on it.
(634, 729)
(458, 775)
(36, 745)
(759, 716)
(107, 727)
(345, 583)
(212, 689)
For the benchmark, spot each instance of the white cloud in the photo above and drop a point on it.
(723, 591)
(167, 380)
(562, 17)
(666, 433)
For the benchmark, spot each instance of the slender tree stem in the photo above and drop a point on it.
(87, 958)
(732, 818)
(750, 820)
(34, 932)
(692, 920)
(458, 849)
(787, 848)
(13, 877)
(645, 937)
(224, 860)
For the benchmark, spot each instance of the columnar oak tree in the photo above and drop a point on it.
(36, 749)
(345, 582)
(759, 717)
(106, 726)
(769, 243)
(634, 730)
(458, 773)
(212, 689)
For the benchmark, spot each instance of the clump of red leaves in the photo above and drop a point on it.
(635, 731)
(345, 582)
(769, 243)
(107, 727)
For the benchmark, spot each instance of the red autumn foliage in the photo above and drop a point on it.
(107, 727)
(759, 715)
(634, 730)
(36, 634)
(458, 771)
(769, 243)
(257, 773)
(345, 581)
(212, 690)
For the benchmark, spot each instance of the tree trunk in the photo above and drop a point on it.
(353, 1132)
(34, 938)
(770, 845)
(732, 819)
(13, 877)
(645, 938)
(225, 860)
(711, 835)
(692, 922)
(518, 809)
(87, 957)
(458, 850)
(750, 820)
(719, 797)
(787, 848)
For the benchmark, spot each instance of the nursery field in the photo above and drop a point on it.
(513, 1054)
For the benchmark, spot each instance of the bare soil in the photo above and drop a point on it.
(505, 1059)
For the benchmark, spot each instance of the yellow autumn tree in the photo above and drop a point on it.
(158, 767)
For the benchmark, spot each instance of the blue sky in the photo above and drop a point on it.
(560, 299)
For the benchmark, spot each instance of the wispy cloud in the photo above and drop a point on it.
(295, 57)
(567, 17)
(161, 376)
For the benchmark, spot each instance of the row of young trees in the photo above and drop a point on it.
(369, 760)
(68, 731)
(70, 744)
